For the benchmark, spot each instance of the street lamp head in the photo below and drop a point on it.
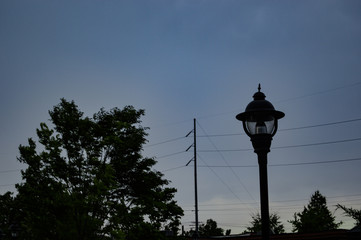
(260, 117)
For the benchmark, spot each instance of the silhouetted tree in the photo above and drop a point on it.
(350, 212)
(90, 181)
(315, 217)
(276, 227)
(8, 214)
(210, 229)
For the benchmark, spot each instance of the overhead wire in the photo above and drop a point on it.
(319, 143)
(224, 183)
(320, 92)
(292, 206)
(284, 164)
(278, 101)
(279, 147)
(163, 142)
(287, 129)
(223, 158)
(358, 195)
(174, 168)
(171, 154)
(280, 130)
(270, 165)
(249, 149)
(322, 124)
(288, 146)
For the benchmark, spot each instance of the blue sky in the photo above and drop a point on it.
(181, 60)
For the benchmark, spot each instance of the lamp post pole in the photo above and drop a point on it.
(260, 122)
(261, 144)
(262, 162)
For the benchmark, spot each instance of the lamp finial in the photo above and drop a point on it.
(259, 87)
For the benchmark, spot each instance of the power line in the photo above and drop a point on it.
(223, 158)
(311, 163)
(279, 101)
(289, 146)
(322, 124)
(270, 165)
(222, 135)
(285, 164)
(285, 207)
(174, 168)
(333, 200)
(228, 187)
(288, 129)
(176, 153)
(320, 92)
(163, 142)
(171, 154)
(239, 134)
(320, 143)
(285, 201)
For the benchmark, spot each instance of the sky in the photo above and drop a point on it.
(198, 59)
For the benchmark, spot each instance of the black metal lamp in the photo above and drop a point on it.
(260, 122)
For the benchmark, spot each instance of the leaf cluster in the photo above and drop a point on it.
(351, 212)
(276, 226)
(315, 217)
(210, 229)
(89, 179)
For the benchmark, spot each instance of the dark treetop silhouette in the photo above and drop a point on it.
(90, 181)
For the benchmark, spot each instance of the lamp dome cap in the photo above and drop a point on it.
(259, 107)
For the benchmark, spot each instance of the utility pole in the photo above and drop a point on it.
(195, 176)
(196, 234)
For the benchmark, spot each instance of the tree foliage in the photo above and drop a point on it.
(7, 213)
(210, 229)
(276, 226)
(315, 217)
(353, 213)
(90, 181)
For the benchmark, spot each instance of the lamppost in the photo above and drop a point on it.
(260, 122)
